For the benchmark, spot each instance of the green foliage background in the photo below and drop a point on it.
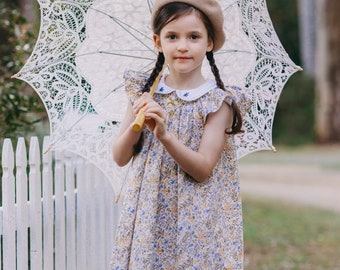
(294, 118)
(21, 108)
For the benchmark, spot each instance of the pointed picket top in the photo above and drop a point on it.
(22, 214)
(8, 206)
(21, 157)
(34, 152)
(48, 214)
(7, 154)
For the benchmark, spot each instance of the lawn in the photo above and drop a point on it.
(284, 236)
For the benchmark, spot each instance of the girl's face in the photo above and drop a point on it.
(184, 43)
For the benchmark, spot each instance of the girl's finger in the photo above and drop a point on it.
(139, 105)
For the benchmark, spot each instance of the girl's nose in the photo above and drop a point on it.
(182, 45)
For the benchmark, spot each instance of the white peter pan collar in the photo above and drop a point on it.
(187, 95)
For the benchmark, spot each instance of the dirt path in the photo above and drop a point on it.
(306, 176)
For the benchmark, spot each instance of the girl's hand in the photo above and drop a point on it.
(155, 116)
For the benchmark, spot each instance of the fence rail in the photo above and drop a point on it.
(57, 211)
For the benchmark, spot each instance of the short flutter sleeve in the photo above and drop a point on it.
(239, 96)
(134, 83)
(213, 100)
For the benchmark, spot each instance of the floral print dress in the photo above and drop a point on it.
(168, 220)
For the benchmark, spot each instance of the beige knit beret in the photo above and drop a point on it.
(210, 8)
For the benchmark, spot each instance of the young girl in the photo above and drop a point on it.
(182, 209)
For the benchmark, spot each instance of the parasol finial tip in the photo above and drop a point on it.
(273, 148)
(16, 76)
(299, 68)
(117, 198)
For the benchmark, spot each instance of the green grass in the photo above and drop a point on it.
(282, 236)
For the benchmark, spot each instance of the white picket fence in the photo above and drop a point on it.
(58, 211)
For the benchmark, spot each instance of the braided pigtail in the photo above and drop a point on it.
(237, 117)
(157, 69)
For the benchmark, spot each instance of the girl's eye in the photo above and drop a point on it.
(171, 37)
(194, 37)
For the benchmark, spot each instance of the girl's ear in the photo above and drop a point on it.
(210, 45)
(157, 42)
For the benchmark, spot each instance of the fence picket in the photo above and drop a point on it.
(35, 205)
(60, 253)
(70, 213)
(47, 181)
(91, 224)
(8, 204)
(100, 218)
(81, 215)
(22, 205)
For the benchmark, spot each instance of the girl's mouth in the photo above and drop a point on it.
(183, 58)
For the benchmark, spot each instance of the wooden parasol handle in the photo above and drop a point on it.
(140, 118)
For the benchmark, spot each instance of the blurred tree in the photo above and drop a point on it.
(29, 10)
(284, 15)
(297, 98)
(307, 26)
(18, 103)
(328, 71)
